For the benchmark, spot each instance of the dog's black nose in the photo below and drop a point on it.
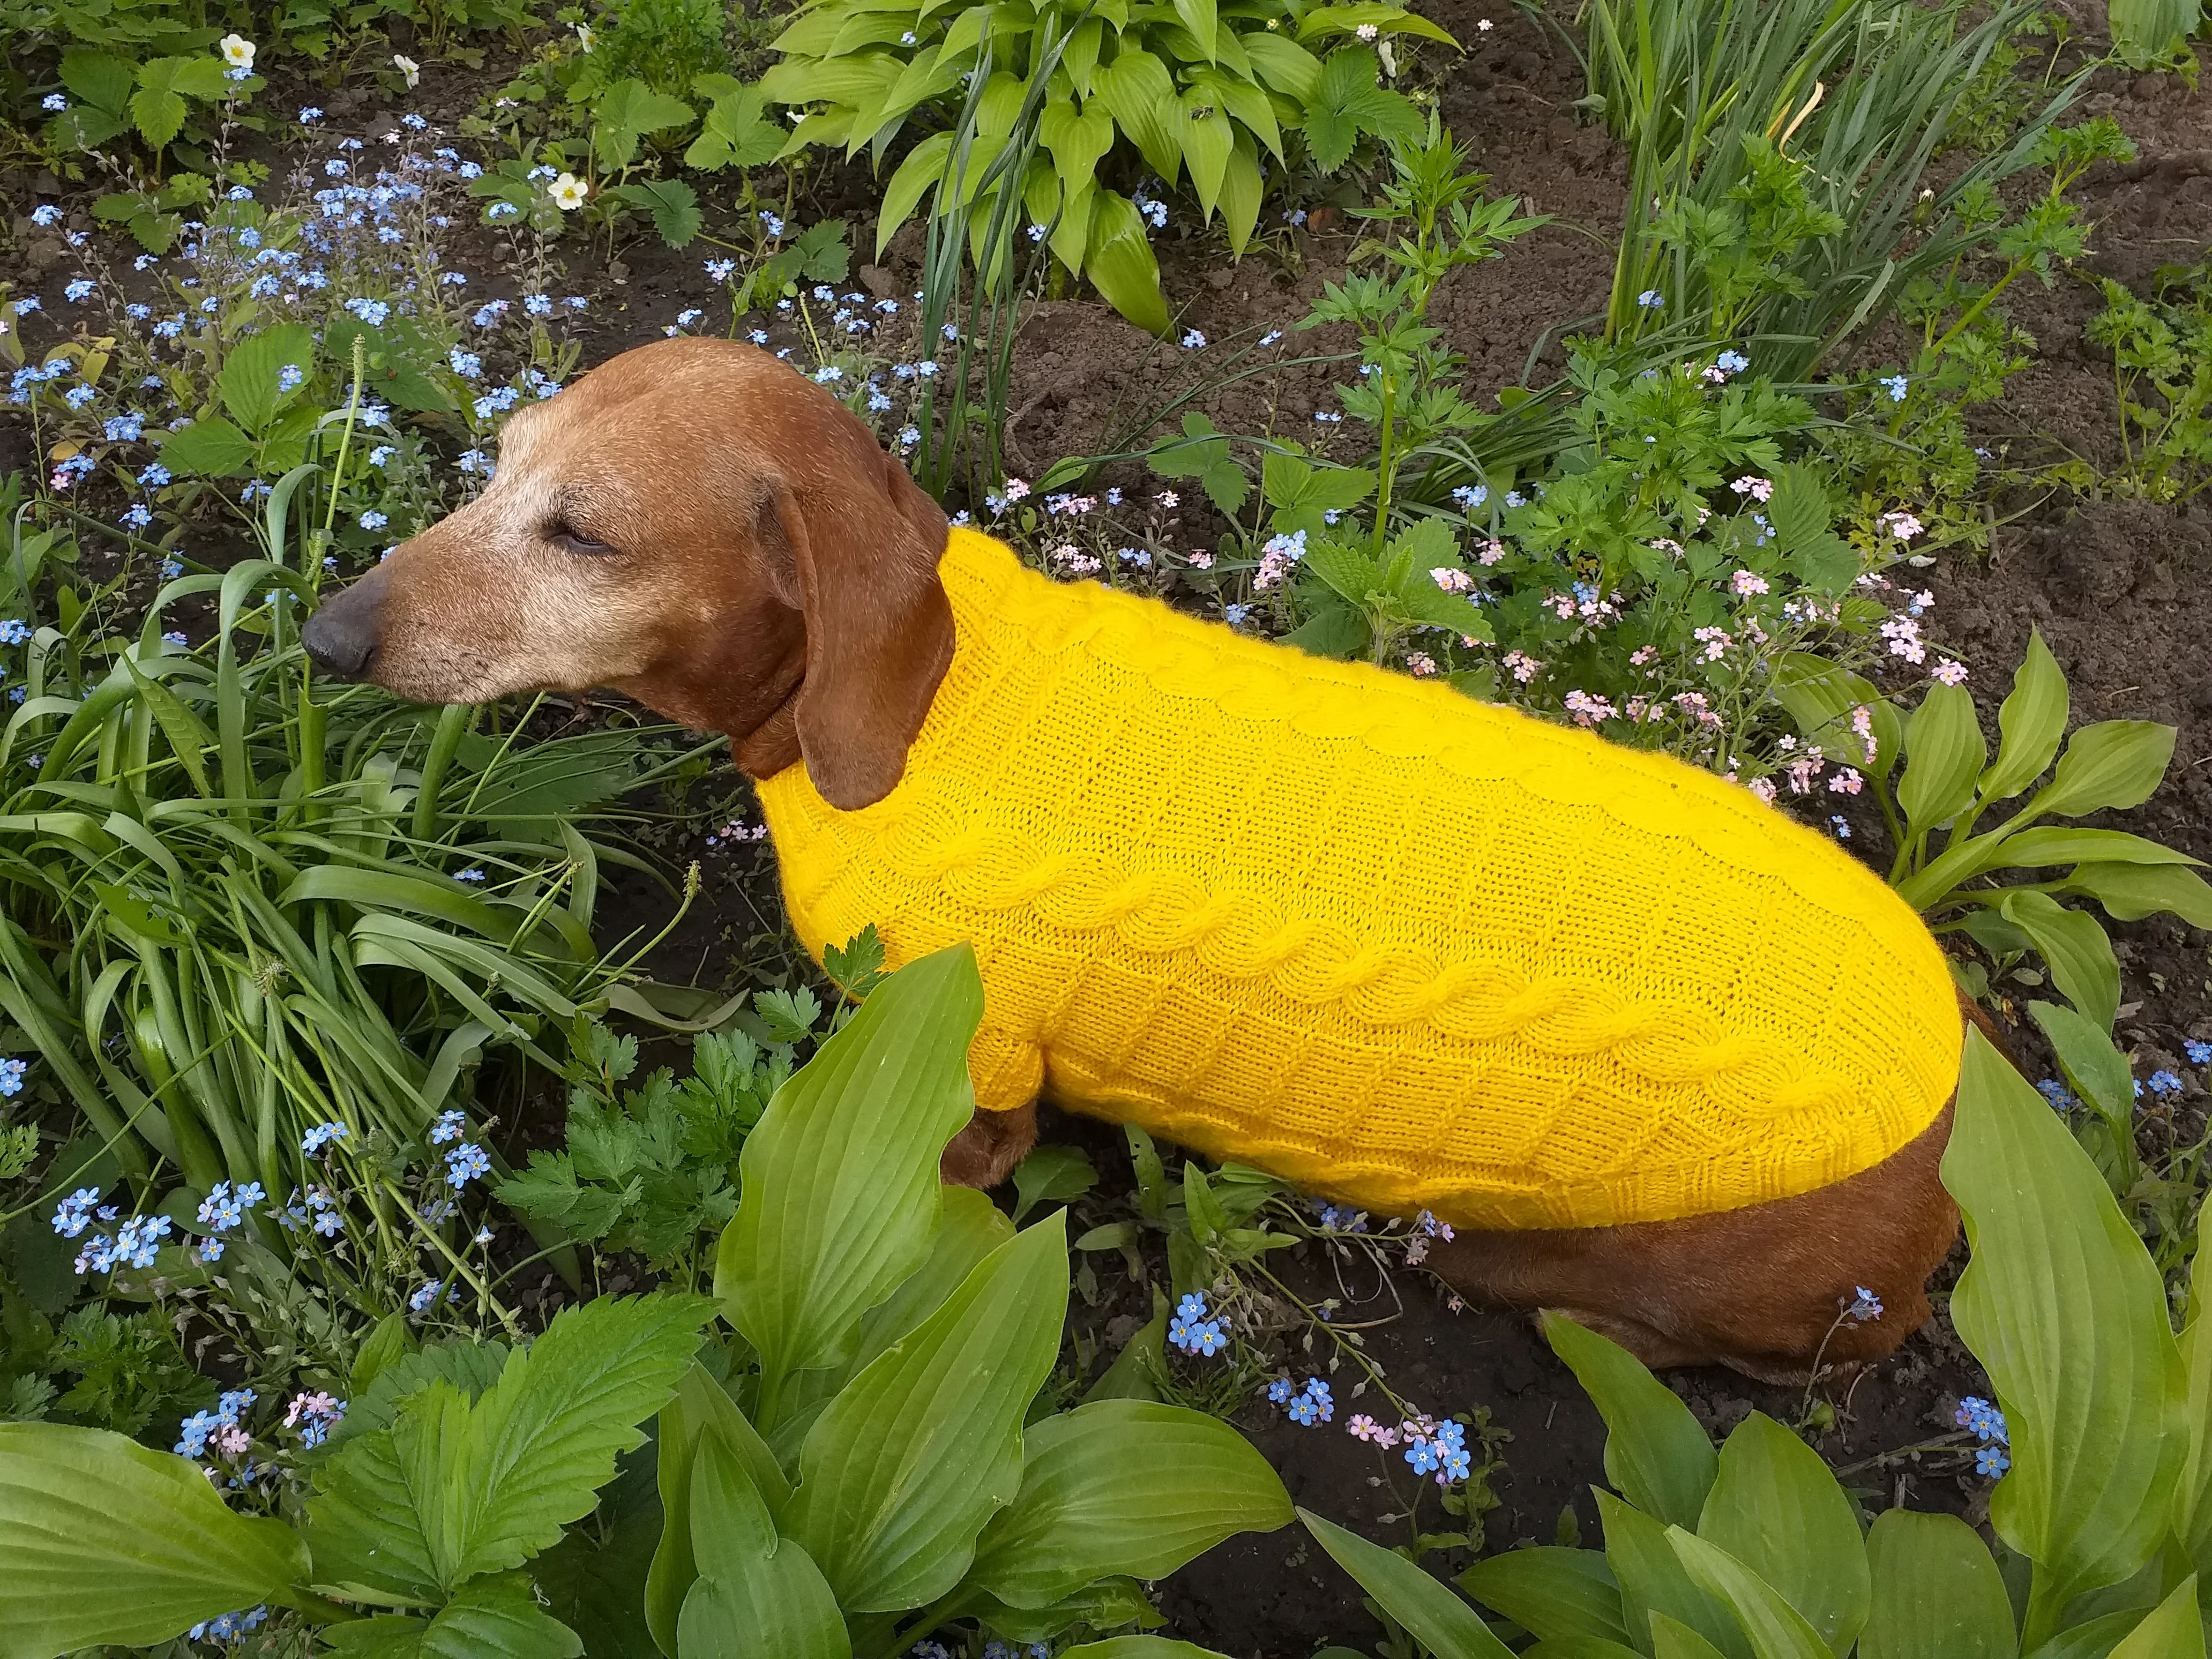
(342, 636)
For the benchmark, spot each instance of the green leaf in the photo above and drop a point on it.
(98, 78)
(2030, 722)
(1944, 754)
(2149, 33)
(840, 1179)
(2174, 1630)
(1051, 1174)
(2128, 892)
(1555, 1593)
(2049, 844)
(2067, 1313)
(1208, 140)
(1138, 1647)
(1283, 64)
(2192, 1492)
(1656, 1454)
(756, 1592)
(736, 133)
(2112, 765)
(2092, 1062)
(700, 1405)
(1937, 1595)
(103, 1541)
(923, 167)
(1776, 1630)
(1670, 1639)
(1350, 572)
(1775, 1507)
(1199, 16)
(493, 1619)
(1121, 263)
(211, 448)
(2074, 943)
(1203, 453)
(1123, 1487)
(1140, 95)
(897, 1477)
(253, 377)
(673, 204)
(1435, 1618)
(1653, 1581)
(625, 113)
(451, 1491)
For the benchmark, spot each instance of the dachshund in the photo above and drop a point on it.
(1424, 998)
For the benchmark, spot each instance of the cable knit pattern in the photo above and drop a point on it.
(1405, 948)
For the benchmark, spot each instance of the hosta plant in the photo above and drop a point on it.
(1754, 1551)
(873, 1456)
(1133, 90)
(1969, 879)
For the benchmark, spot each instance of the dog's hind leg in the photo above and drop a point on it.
(1760, 1289)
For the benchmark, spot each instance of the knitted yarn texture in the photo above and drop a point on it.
(1404, 949)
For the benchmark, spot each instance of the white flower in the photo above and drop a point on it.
(568, 192)
(409, 67)
(238, 51)
(584, 36)
(1367, 31)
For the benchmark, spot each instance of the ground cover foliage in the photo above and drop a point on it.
(369, 1074)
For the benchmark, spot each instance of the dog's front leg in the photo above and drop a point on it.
(985, 1153)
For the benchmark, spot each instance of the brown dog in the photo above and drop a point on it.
(696, 526)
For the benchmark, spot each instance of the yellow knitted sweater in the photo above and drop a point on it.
(1406, 950)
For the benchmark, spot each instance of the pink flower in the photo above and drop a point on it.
(1716, 642)
(1421, 664)
(1666, 545)
(1748, 582)
(1846, 783)
(1361, 1427)
(1201, 561)
(1492, 552)
(233, 1441)
(1015, 490)
(1901, 524)
(1525, 667)
(1764, 788)
(1451, 579)
(1589, 710)
(1759, 490)
(1951, 673)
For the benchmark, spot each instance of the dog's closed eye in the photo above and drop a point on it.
(569, 539)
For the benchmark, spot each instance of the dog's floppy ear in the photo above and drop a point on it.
(864, 540)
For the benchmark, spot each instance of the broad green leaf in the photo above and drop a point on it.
(1139, 94)
(253, 381)
(2052, 843)
(1653, 1580)
(1670, 1639)
(840, 1179)
(2064, 1309)
(99, 78)
(1776, 1630)
(2192, 1492)
(736, 133)
(2030, 722)
(923, 167)
(628, 111)
(1775, 1507)
(454, 1489)
(1142, 1360)
(1283, 64)
(673, 204)
(2111, 765)
(2174, 1629)
(699, 1405)
(1122, 1488)
(2074, 945)
(212, 448)
(1200, 18)
(1656, 1454)
(1049, 1175)
(1937, 1595)
(1432, 1614)
(1077, 140)
(1109, 1604)
(756, 1592)
(1208, 140)
(1121, 263)
(1944, 754)
(2147, 32)
(1350, 572)
(1554, 1592)
(1325, 21)
(103, 1541)
(897, 1477)
(2090, 1058)
(1203, 453)
(2128, 892)
(492, 1618)
(1139, 1647)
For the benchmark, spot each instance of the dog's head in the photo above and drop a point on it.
(698, 526)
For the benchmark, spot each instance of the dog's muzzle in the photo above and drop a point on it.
(342, 636)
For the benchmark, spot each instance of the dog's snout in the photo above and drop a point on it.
(342, 636)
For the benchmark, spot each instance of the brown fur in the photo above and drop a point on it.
(694, 524)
